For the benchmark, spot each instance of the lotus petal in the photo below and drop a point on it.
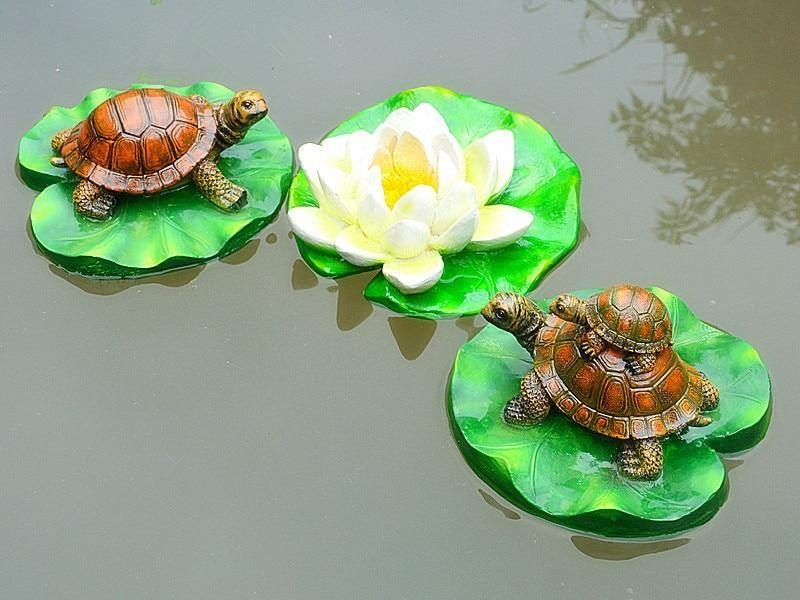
(315, 226)
(410, 157)
(447, 173)
(406, 238)
(458, 235)
(414, 275)
(418, 204)
(500, 145)
(358, 249)
(481, 170)
(336, 197)
(373, 214)
(499, 225)
(458, 201)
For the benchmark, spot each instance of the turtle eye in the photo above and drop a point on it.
(500, 314)
(248, 105)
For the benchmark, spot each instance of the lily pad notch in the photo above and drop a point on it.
(564, 473)
(156, 233)
(541, 180)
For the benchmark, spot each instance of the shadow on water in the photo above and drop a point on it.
(724, 115)
(352, 308)
(470, 325)
(242, 255)
(608, 550)
(109, 287)
(494, 503)
(412, 335)
(303, 278)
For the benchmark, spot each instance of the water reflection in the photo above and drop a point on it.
(494, 503)
(470, 325)
(108, 287)
(303, 278)
(412, 335)
(243, 254)
(724, 114)
(608, 550)
(352, 308)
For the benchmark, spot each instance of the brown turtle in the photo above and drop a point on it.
(147, 140)
(627, 316)
(602, 394)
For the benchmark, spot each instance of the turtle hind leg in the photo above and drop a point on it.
(710, 393)
(93, 201)
(700, 421)
(56, 143)
(530, 406)
(217, 188)
(640, 363)
(591, 344)
(641, 459)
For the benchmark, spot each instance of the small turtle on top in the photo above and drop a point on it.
(627, 316)
(147, 140)
(603, 394)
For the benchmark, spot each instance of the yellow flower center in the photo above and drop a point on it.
(403, 168)
(395, 184)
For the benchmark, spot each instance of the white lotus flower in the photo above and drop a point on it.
(407, 194)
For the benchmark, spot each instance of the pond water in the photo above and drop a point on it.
(247, 429)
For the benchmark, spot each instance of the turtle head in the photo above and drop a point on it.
(568, 307)
(514, 313)
(245, 109)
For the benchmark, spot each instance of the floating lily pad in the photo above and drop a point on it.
(545, 182)
(151, 234)
(566, 474)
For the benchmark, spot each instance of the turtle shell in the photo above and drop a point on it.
(141, 141)
(630, 317)
(604, 396)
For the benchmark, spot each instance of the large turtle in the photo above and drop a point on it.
(147, 140)
(602, 394)
(627, 316)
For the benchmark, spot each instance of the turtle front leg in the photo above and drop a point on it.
(640, 363)
(710, 393)
(591, 343)
(216, 187)
(93, 201)
(530, 406)
(641, 459)
(56, 143)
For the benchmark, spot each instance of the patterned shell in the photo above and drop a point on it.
(141, 141)
(631, 318)
(604, 396)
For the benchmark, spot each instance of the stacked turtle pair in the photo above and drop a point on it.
(608, 363)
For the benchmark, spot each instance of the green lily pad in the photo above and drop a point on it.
(160, 232)
(545, 182)
(565, 473)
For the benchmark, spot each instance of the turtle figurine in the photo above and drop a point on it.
(143, 141)
(603, 394)
(627, 316)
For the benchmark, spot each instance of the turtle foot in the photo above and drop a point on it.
(710, 393)
(517, 413)
(641, 459)
(641, 363)
(233, 199)
(92, 201)
(701, 421)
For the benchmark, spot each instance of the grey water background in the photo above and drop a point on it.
(248, 430)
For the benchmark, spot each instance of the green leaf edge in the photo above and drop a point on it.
(379, 290)
(614, 523)
(44, 176)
